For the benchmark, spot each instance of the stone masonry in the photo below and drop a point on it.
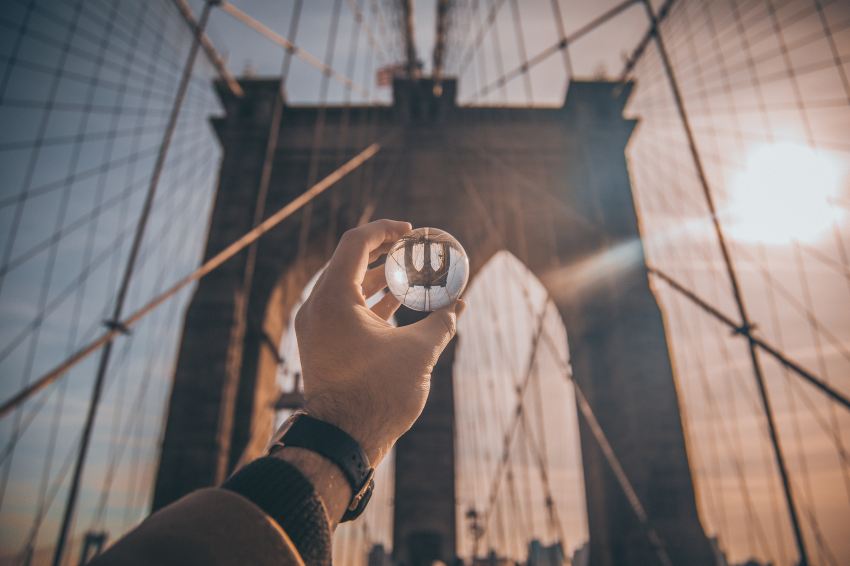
(549, 185)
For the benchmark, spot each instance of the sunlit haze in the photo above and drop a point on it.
(785, 192)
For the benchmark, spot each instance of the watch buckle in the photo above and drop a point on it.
(368, 483)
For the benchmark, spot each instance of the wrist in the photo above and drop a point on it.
(371, 438)
(327, 454)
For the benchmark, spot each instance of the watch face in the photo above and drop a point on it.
(335, 445)
(284, 428)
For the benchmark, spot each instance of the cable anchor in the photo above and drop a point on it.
(117, 326)
(744, 330)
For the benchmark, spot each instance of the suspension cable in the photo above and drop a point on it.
(495, 483)
(824, 387)
(479, 38)
(209, 49)
(611, 458)
(299, 52)
(211, 264)
(526, 64)
(127, 278)
(377, 46)
(746, 324)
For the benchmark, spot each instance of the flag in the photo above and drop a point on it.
(386, 74)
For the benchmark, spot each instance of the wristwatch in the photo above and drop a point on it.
(303, 431)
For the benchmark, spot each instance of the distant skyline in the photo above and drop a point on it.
(797, 290)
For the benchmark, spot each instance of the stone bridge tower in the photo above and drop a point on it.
(549, 185)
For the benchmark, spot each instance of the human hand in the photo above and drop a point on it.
(360, 373)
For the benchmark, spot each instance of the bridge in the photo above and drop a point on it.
(653, 196)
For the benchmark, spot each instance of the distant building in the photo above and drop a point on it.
(93, 545)
(540, 554)
(378, 556)
(493, 559)
(719, 555)
(581, 557)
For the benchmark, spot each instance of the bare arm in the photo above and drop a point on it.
(361, 373)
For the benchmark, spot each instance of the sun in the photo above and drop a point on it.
(783, 194)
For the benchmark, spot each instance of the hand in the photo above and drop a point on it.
(360, 373)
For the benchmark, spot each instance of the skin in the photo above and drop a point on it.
(360, 373)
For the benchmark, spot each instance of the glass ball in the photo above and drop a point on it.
(427, 269)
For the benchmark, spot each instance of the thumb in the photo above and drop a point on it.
(440, 326)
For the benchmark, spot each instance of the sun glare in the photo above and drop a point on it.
(783, 194)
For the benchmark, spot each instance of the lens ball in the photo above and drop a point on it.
(427, 269)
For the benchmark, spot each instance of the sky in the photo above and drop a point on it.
(770, 124)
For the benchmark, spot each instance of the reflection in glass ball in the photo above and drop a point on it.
(426, 269)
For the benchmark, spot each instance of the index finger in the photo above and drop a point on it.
(351, 257)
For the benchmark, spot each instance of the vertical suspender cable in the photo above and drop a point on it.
(746, 325)
(562, 38)
(243, 317)
(412, 59)
(103, 364)
(319, 130)
(439, 56)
